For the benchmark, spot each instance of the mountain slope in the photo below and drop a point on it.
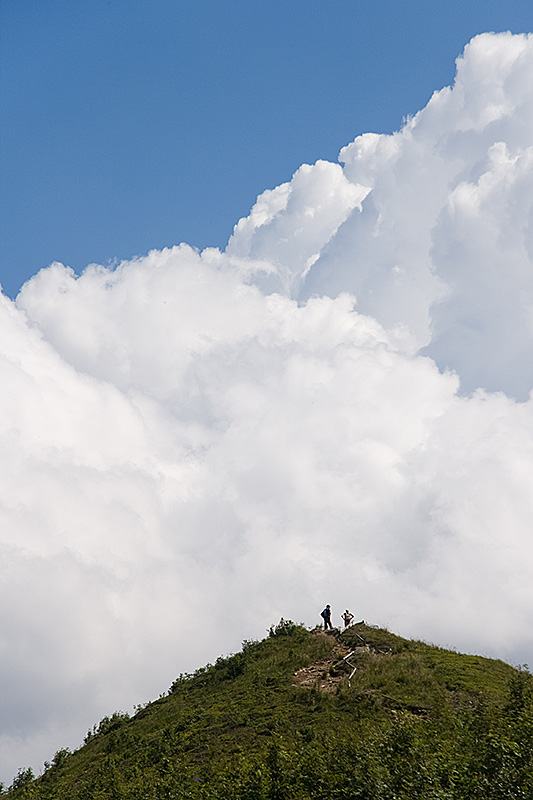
(282, 719)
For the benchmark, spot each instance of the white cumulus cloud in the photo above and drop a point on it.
(335, 409)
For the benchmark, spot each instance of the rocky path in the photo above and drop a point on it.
(319, 673)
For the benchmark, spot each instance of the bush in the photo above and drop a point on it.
(285, 627)
(105, 725)
(23, 777)
(59, 758)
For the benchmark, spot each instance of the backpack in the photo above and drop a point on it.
(325, 613)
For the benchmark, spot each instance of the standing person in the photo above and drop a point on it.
(326, 616)
(347, 617)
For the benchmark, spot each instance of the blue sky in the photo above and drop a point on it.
(134, 125)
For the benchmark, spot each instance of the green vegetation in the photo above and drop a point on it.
(281, 720)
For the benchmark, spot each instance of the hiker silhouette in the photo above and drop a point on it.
(326, 616)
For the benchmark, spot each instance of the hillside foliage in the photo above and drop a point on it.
(282, 720)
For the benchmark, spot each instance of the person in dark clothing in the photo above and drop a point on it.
(326, 616)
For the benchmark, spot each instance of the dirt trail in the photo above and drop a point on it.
(318, 673)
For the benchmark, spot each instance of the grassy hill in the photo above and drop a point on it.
(283, 720)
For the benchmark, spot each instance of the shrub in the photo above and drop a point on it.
(22, 778)
(59, 758)
(285, 627)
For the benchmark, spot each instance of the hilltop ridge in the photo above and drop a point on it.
(308, 715)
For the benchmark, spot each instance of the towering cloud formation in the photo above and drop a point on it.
(335, 408)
